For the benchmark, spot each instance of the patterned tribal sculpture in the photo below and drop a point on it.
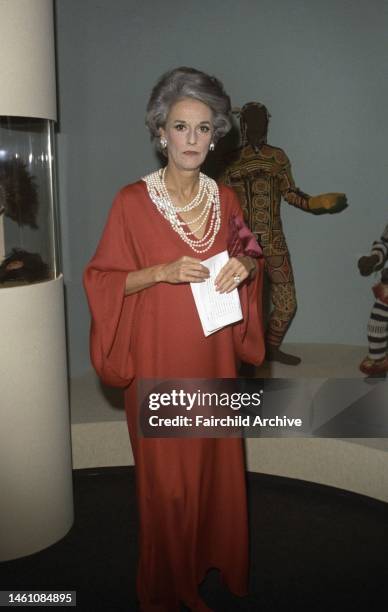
(376, 362)
(261, 175)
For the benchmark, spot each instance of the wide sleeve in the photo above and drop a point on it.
(248, 334)
(112, 312)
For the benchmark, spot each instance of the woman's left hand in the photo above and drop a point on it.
(234, 272)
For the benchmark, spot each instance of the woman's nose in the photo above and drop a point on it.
(191, 136)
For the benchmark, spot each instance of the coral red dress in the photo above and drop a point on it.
(191, 491)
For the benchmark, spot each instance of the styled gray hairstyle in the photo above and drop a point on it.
(186, 82)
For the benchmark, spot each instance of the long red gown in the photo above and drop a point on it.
(191, 491)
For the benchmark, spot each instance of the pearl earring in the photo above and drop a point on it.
(163, 142)
(212, 146)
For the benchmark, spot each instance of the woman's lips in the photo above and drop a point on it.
(190, 153)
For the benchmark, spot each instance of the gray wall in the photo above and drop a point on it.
(320, 67)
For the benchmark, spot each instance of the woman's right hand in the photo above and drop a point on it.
(183, 270)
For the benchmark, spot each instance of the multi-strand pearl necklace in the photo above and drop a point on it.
(208, 189)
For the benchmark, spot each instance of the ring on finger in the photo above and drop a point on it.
(237, 279)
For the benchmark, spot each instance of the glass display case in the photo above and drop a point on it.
(28, 219)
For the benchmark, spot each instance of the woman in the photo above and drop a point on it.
(191, 492)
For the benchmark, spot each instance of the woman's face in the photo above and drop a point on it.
(188, 131)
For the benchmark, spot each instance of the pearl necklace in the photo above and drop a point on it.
(159, 195)
(196, 201)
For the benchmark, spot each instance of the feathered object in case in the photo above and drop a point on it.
(241, 241)
(24, 267)
(18, 192)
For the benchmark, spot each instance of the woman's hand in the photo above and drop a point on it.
(234, 272)
(183, 270)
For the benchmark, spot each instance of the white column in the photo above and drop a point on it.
(36, 496)
(27, 59)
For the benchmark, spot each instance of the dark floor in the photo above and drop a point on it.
(312, 548)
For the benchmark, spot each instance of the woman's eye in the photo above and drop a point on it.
(205, 129)
(179, 127)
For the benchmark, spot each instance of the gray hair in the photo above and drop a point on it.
(186, 82)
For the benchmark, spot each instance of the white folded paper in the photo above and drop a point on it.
(216, 310)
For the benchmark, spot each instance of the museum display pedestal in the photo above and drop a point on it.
(36, 493)
(36, 504)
